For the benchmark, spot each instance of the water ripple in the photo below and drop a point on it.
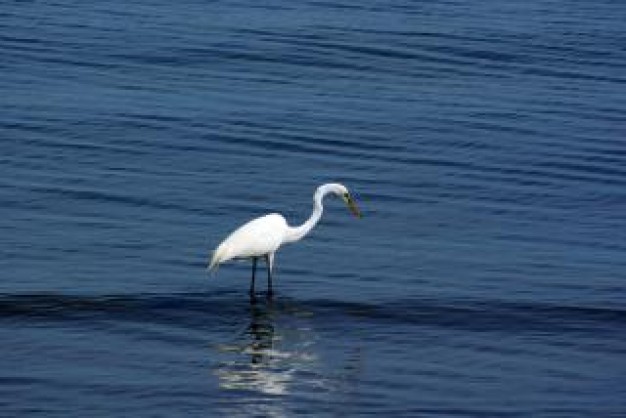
(189, 309)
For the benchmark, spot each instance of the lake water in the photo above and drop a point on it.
(484, 142)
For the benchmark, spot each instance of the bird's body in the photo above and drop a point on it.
(263, 236)
(268, 232)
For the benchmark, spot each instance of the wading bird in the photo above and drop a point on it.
(262, 237)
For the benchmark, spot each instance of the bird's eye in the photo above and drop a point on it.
(346, 195)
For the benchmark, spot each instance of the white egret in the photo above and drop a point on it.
(263, 236)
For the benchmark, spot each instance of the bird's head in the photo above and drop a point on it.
(342, 191)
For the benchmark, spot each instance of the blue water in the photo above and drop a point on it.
(483, 141)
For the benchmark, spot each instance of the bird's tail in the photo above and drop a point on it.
(218, 257)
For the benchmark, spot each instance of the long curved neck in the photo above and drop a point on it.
(296, 233)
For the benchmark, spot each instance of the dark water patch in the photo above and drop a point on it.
(188, 309)
(487, 316)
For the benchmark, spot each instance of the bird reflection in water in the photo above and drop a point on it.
(266, 359)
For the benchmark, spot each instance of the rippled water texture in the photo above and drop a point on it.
(484, 142)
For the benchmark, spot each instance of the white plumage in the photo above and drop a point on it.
(256, 238)
(262, 237)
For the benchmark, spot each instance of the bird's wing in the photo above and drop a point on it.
(258, 237)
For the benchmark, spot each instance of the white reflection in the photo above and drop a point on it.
(266, 359)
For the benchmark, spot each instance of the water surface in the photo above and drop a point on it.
(484, 143)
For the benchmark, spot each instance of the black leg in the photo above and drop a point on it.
(254, 260)
(268, 262)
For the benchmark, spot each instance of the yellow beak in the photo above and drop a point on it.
(352, 206)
